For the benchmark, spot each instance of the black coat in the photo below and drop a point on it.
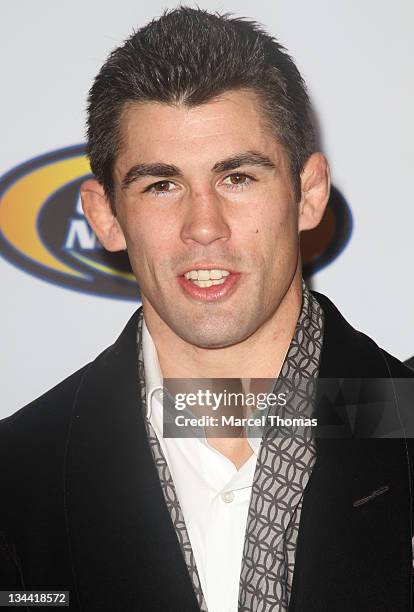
(82, 507)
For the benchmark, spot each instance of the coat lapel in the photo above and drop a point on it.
(124, 548)
(354, 544)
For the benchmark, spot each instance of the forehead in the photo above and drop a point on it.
(228, 124)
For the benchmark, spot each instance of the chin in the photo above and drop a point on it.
(214, 337)
(211, 342)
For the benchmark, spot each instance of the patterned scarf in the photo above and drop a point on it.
(283, 468)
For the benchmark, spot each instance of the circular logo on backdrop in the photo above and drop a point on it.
(44, 231)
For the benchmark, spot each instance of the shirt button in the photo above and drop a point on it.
(227, 497)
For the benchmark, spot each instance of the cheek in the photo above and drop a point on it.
(148, 235)
(275, 229)
(151, 244)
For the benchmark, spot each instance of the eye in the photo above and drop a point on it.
(160, 187)
(238, 180)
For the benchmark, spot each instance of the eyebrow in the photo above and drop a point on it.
(248, 158)
(157, 169)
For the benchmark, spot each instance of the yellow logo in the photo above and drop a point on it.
(44, 231)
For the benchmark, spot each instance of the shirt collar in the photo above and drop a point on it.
(153, 374)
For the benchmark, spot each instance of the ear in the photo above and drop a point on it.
(100, 216)
(315, 189)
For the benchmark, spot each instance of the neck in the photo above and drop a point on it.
(261, 355)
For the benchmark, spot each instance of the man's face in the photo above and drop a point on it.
(206, 193)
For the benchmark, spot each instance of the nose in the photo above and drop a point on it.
(204, 219)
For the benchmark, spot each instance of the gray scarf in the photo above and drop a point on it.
(283, 468)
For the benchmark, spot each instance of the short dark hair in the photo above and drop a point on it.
(189, 56)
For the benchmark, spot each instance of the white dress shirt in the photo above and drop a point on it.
(214, 496)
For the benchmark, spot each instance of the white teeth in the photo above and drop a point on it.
(215, 274)
(206, 275)
(203, 275)
(208, 283)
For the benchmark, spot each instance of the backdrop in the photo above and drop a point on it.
(64, 301)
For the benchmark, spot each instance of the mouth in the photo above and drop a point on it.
(208, 283)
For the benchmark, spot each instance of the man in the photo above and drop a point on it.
(206, 171)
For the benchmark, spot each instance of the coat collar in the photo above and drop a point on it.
(347, 353)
